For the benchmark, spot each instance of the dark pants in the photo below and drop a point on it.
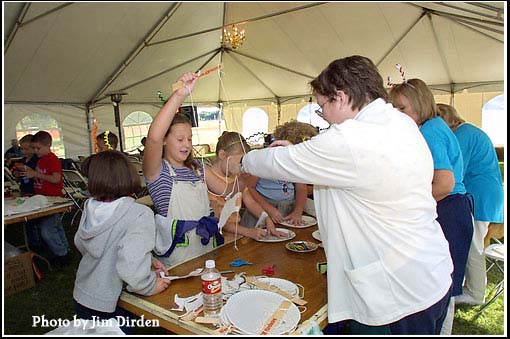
(426, 322)
(454, 213)
(86, 313)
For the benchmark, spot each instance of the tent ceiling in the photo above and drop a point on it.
(80, 52)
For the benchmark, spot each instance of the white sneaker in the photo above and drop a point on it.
(466, 299)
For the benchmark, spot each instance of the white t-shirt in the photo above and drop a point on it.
(372, 177)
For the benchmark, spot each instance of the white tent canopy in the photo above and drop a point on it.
(69, 57)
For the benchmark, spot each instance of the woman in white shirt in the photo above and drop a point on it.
(372, 171)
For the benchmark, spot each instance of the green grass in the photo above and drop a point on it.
(52, 297)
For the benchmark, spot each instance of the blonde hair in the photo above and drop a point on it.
(231, 142)
(450, 115)
(295, 131)
(420, 97)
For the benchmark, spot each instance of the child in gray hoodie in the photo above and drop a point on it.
(115, 237)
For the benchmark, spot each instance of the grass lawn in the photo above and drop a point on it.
(52, 298)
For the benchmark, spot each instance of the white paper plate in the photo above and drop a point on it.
(281, 284)
(272, 238)
(316, 235)
(309, 221)
(250, 310)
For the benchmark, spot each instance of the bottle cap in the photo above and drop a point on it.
(210, 264)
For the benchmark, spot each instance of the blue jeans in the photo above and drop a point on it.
(51, 230)
(426, 322)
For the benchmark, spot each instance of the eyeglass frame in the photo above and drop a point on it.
(318, 111)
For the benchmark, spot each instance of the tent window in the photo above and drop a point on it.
(494, 120)
(255, 125)
(307, 114)
(135, 127)
(211, 124)
(31, 124)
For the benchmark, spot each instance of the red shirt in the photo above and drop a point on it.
(48, 164)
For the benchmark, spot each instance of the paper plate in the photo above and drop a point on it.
(281, 284)
(250, 310)
(272, 238)
(301, 246)
(316, 235)
(309, 221)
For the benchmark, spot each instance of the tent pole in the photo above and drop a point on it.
(452, 94)
(279, 108)
(89, 127)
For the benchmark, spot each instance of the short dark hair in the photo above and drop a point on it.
(43, 138)
(26, 138)
(356, 75)
(110, 175)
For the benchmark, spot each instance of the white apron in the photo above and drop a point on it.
(188, 201)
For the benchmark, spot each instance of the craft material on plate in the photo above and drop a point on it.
(301, 246)
(316, 235)
(250, 311)
(307, 222)
(273, 238)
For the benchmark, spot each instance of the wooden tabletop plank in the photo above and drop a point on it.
(298, 268)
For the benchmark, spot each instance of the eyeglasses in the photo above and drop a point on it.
(318, 111)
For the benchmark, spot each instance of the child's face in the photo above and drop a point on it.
(27, 149)
(233, 159)
(178, 144)
(40, 150)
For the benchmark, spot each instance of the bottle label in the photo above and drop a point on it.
(211, 286)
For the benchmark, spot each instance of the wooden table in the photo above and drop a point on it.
(54, 209)
(42, 212)
(296, 267)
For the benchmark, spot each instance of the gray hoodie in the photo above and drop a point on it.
(115, 239)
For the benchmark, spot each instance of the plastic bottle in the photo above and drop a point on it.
(211, 290)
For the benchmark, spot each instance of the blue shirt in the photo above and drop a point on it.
(278, 190)
(445, 150)
(482, 176)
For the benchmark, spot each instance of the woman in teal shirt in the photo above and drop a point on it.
(482, 178)
(454, 208)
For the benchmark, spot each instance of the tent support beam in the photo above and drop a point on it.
(160, 73)
(401, 38)
(46, 13)
(467, 22)
(17, 25)
(468, 10)
(485, 6)
(134, 53)
(223, 20)
(439, 49)
(239, 22)
(472, 29)
(253, 75)
(271, 64)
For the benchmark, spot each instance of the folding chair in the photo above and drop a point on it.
(495, 256)
(10, 180)
(75, 188)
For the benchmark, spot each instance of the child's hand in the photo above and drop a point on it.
(295, 218)
(257, 233)
(274, 213)
(189, 79)
(271, 229)
(27, 172)
(161, 285)
(157, 266)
